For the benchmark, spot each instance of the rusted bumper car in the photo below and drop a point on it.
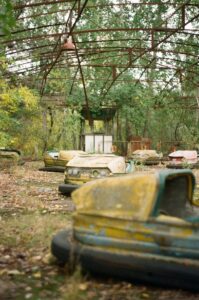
(55, 161)
(88, 167)
(138, 227)
(10, 157)
(182, 159)
(146, 157)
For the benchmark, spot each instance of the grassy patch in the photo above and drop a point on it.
(37, 275)
(29, 270)
(39, 289)
(31, 230)
(76, 287)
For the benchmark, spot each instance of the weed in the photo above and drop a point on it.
(32, 230)
(76, 286)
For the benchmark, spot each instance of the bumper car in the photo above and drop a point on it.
(84, 168)
(140, 227)
(146, 157)
(182, 159)
(56, 161)
(10, 157)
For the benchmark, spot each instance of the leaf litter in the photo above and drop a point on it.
(32, 211)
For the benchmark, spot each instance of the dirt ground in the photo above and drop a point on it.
(31, 212)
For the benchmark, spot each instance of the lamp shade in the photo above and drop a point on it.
(68, 44)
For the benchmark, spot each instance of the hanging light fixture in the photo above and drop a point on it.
(68, 45)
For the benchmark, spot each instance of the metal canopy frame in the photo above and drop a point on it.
(119, 48)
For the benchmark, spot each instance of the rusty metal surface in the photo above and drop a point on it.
(133, 44)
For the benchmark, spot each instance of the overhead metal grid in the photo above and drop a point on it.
(126, 39)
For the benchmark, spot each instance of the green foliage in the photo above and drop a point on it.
(7, 19)
(19, 110)
(62, 129)
(151, 108)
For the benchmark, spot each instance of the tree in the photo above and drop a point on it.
(19, 113)
(134, 56)
(7, 18)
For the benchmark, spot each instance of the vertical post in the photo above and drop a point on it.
(93, 142)
(180, 75)
(117, 125)
(45, 129)
(183, 17)
(114, 73)
(152, 39)
(130, 56)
